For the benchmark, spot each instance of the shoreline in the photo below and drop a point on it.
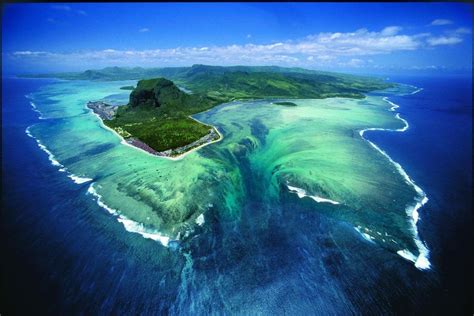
(422, 260)
(174, 158)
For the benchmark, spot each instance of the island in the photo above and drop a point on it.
(127, 88)
(285, 103)
(158, 117)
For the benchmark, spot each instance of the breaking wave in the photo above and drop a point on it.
(76, 179)
(422, 261)
(302, 193)
(130, 225)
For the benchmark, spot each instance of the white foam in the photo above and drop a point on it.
(77, 179)
(416, 91)
(138, 228)
(33, 106)
(51, 157)
(27, 131)
(407, 255)
(54, 162)
(91, 190)
(131, 226)
(404, 121)
(422, 261)
(200, 220)
(302, 193)
(364, 235)
(394, 106)
(322, 200)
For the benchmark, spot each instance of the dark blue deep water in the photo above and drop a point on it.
(63, 254)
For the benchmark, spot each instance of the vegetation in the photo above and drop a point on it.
(127, 88)
(224, 83)
(158, 111)
(158, 115)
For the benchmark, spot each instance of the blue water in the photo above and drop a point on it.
(62, 253)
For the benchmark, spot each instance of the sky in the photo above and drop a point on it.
(344, 37)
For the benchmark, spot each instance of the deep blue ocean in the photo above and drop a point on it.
(62, 253)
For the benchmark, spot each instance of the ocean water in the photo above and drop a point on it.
(248, 222)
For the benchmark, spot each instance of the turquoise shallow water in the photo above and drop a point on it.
(269, 153)
(267, 251)
(276, 253)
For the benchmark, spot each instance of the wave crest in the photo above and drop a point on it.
(422, 261)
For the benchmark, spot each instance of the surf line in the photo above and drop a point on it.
(33, 106)
(416, 90)
(129, 225)
(422, 261)
(76, 179)
(302, 193)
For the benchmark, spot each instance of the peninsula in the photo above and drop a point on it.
(157, 119)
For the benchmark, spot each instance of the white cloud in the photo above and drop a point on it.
(349, 49)
(462, 30)
(391, 30)
(32, 54)
(361, 42)
(143, 30)
(439, 22)
(444, 40)
(353, 63)
(449, 37)
(325, 57)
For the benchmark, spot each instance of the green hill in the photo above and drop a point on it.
(158, 115)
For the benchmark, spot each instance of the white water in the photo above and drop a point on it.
(33, 106)
(79, 180)
(51, 157)
(302, 193)
(364, 235)
(200, 220)
(131, 226)
(55, 162)
(416, 91)
(422, 261)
